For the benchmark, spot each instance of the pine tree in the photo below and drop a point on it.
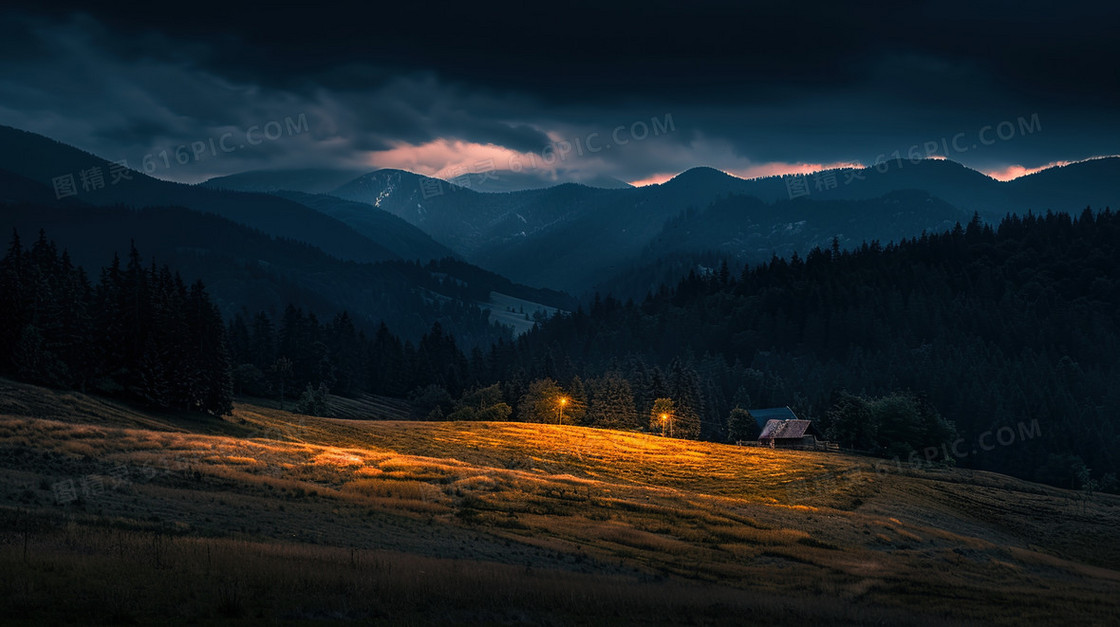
(77, 330)
(262, 347)
(32, 361)
(109, 329)
(211, 364)
(281, 372)
(612, 403)
(345, 352)
(240, 340)
(577, 407)
(388, 368)
(13, 310)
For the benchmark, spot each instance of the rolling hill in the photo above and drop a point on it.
(743, 227)
(43, 160)
(273, 516)
(501, 181)
(308, 180)
(400, 237)
(1068, 188)
(321, 181)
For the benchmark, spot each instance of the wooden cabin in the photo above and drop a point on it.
(790, 433)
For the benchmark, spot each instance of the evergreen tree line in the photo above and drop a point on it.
(894, 349)
(285, 358)
(140, 333)
(609, 400)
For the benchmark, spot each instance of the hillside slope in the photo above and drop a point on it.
(45, 161)
(273, 515)
(247, 270)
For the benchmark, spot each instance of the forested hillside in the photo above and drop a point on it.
(993, 348)
(245, 269)
(995, 327)
(988, 347)
(140, 332)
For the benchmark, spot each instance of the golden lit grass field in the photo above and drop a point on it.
(110, 515)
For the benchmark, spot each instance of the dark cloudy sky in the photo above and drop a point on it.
(438, 90)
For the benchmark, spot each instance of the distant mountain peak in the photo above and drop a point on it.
(703, 174)
(381, 172)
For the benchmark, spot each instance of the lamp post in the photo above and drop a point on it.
(560, 410)
(666, 418)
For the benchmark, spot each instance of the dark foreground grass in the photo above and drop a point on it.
(273, 517)
(73, 572)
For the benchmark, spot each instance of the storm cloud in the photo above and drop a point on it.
(750, 90)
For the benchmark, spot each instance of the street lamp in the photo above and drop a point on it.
(666, 418)
(560, 410)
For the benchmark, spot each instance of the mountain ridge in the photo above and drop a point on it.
(571, 236)
(44, 160)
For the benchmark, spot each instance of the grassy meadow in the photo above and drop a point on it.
(109, 514)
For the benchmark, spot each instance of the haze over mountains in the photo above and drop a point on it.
(566, 237)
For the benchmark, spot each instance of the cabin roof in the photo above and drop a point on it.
(762, 416)
(785, 429)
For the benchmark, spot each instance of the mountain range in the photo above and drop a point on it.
(572, 237)
(325, 180)
(568, 237)
(257, 252)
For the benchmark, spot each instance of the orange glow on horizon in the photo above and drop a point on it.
(653, 179)
(778, 168)
(762, 170)
(443, 158)
(449, 158)
(1012, 172)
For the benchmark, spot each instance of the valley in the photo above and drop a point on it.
(633, 313)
